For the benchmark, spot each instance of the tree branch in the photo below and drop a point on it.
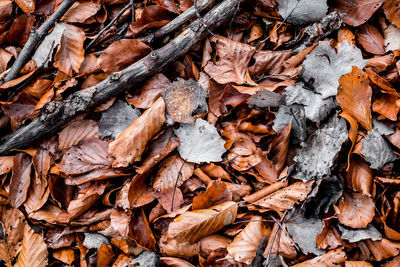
(57, 113)
(35, 38)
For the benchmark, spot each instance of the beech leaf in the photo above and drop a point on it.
(34, 250)
(47, 46)
(301, 12)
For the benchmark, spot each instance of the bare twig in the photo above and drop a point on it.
(271, 244)
(35, 38)
(109, 25)
(132, 10)
(57, 113)
(176, 185)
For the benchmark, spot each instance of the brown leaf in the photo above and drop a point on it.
(354, 96)
(269, 62)
(12, 223)
(359, 176)
(51, 214)
(371, 39)
(283, 242)
(382, 83)
(387, 106)
(149, 92)
(79, 12)
(356, 210)
(332, 258)
(393, 138)
(151, 17)
(19, 31)
(66, 255)
(20, 179)
(6, 164)
(105, 255)
(232, 66)
(140, 230)
(77, 131)
(330, 237)
(70, 53)
(357, 11)
(130, 144)
(175, 262)
(357, 264)
(193, 225)
(138, 193)
(6, 8)
(121, 54)
(216, 193)
(287, 197)
(279, 148)
(392, 11)
(90, 154)
(383, 249)
(34, 250)
(244, 246)
(345, 34)
(28, 6)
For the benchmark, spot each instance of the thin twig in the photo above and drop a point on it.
(35, 38)
(132, 11)
(109, 25)
(273, 238)
(201, 19)
(176, 185)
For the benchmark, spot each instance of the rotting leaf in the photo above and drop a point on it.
(317, 155)
(200, 142)
(183, 99)
(116, 119)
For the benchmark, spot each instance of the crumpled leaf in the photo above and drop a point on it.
(304, 231)
(301, 12)
(153, 16)
(244, 246)
(20, 179)
(357, 11)
(116, 119)
(49, 43)
(376, 150)
(70, 53)
(190, 226)
(356, 210)
(264, 98)
(332, 258)
(316, 108)
(77, 131)
(355, 235)
(268, 62)
(184, 98)
(130, 144)
(232, 66)
(355, 95)
(34, 250)
(122, 53)
(325, 66)
(316, 157)
(295, 115)
(200, 142)
(359, 177)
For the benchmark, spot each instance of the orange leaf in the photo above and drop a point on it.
(356, 210)
(70, 53)
(34, 250)
(190, 226)
(359, 177)
(354, 97)
(370, 39)
(130, 144)
(28, 6)
(216, 193)
(352, 134)
(392, 11)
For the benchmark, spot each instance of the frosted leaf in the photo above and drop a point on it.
(317, 155)
(376, 150)
(265, 98)
(304, 231)
(316, 108)
(116, 119)
(200, 142)
(47, 46)
(293, 114)
(324, 66)
(300, 12)
(355, 235)
(94, 240)
(392, 38)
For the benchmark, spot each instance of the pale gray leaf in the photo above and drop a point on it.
(47, 46)
(94, 240)
(316, 108)
(382, 128)
(376, 150)
(392, 38)
(355, 235)
(318, 154)
(200, 142)
(324, 66)
(146, 259)
(300, 12)
(265, 98)
(293, 114)
(304, 231)
(116, 119)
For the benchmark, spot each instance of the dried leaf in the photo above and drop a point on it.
(234, 58)
(116, 119)
(268, 62)
(200, 142)
(331, 258)
(152, 17)
(70, 53)
(130, 144)
(77, 131)
(302, 12)
(357, 11)
(216, 193)
(28, 6)
(6, 164)
(121, 54)
(370, 39)
(383, 249)
(79, 12)
(34, 250)
(392, 13)
(354, 97)
(190, 226)
(359, 176)
(355, 235)
(392, 41)
(356, 210)
(20, 179)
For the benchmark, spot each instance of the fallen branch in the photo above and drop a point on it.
(57, 113)
(35, 37)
